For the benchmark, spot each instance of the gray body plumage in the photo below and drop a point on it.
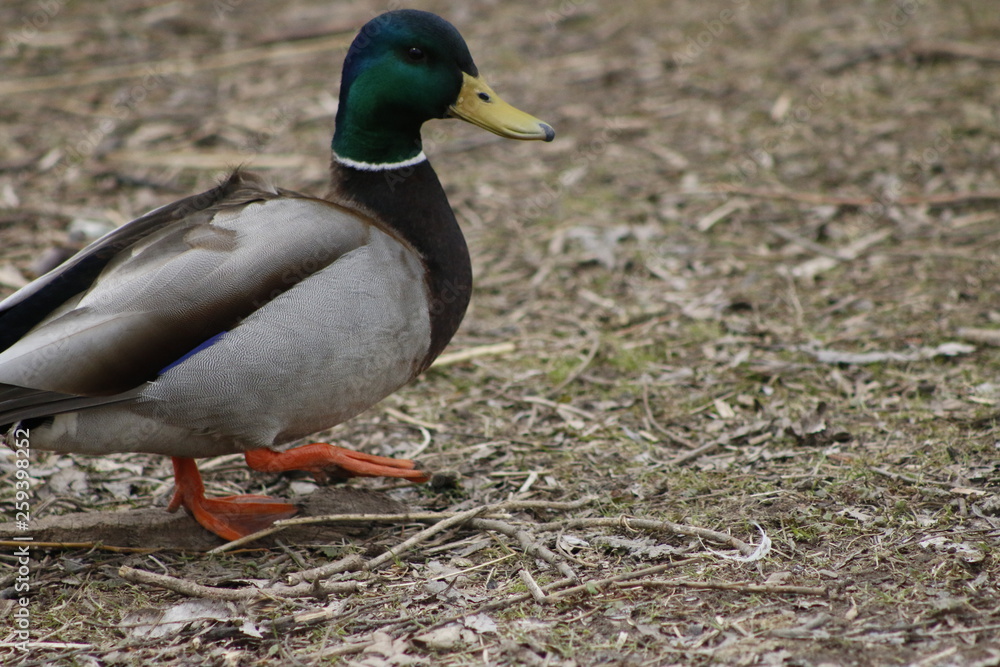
(332, 315)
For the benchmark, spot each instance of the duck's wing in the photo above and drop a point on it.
(24, 309)
(20, 403)
(150, 293)
(29, 306)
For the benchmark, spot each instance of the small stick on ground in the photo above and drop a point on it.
(246, 594)
(424, 535)
(653, 526)
(528, 545)
(538, 400)
(533, 587)
(818, 199)
(724, 586)
(345, 649)
(707, 448)
(958, 50)
(93, 546)
(656, 425)
(407, 419)
(986, 336)
(597, 585)
(468, 354)
(489, 606)
(240, 541)
(545, 504)
(595, 346)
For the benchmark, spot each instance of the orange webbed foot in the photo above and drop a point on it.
(323, 459)
(229, 517)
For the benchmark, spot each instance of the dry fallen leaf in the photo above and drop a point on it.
(152, 623)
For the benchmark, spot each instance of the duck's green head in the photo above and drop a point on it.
(404, 68)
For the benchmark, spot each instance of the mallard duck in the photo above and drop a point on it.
(247, 317)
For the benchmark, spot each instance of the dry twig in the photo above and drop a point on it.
(246, 594)
(818, 199)
(724, 586)
(79, 545)
(489, 606)
(533, 587)
(595, 586)
(407, 419)
(595, 346)
(495, 349)
(528, 545)
(425, 535)
(951, 49)
(683, 458)
(985, 336)
(653, 526)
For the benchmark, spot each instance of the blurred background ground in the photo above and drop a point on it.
(753, 281)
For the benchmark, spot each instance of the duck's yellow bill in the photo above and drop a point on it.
(479, 105)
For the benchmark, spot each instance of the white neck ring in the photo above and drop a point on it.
(380, 166)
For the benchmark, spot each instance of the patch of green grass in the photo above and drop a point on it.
(560, 368)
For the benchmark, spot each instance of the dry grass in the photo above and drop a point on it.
(729, 286)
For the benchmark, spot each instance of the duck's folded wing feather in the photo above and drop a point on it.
(18, 403)
(168, 288)
(24, 309)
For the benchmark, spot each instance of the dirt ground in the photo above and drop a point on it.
(747, 297)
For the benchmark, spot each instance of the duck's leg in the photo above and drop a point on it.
(323, 460)
(229, 517)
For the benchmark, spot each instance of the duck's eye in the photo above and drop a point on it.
(415, 54)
